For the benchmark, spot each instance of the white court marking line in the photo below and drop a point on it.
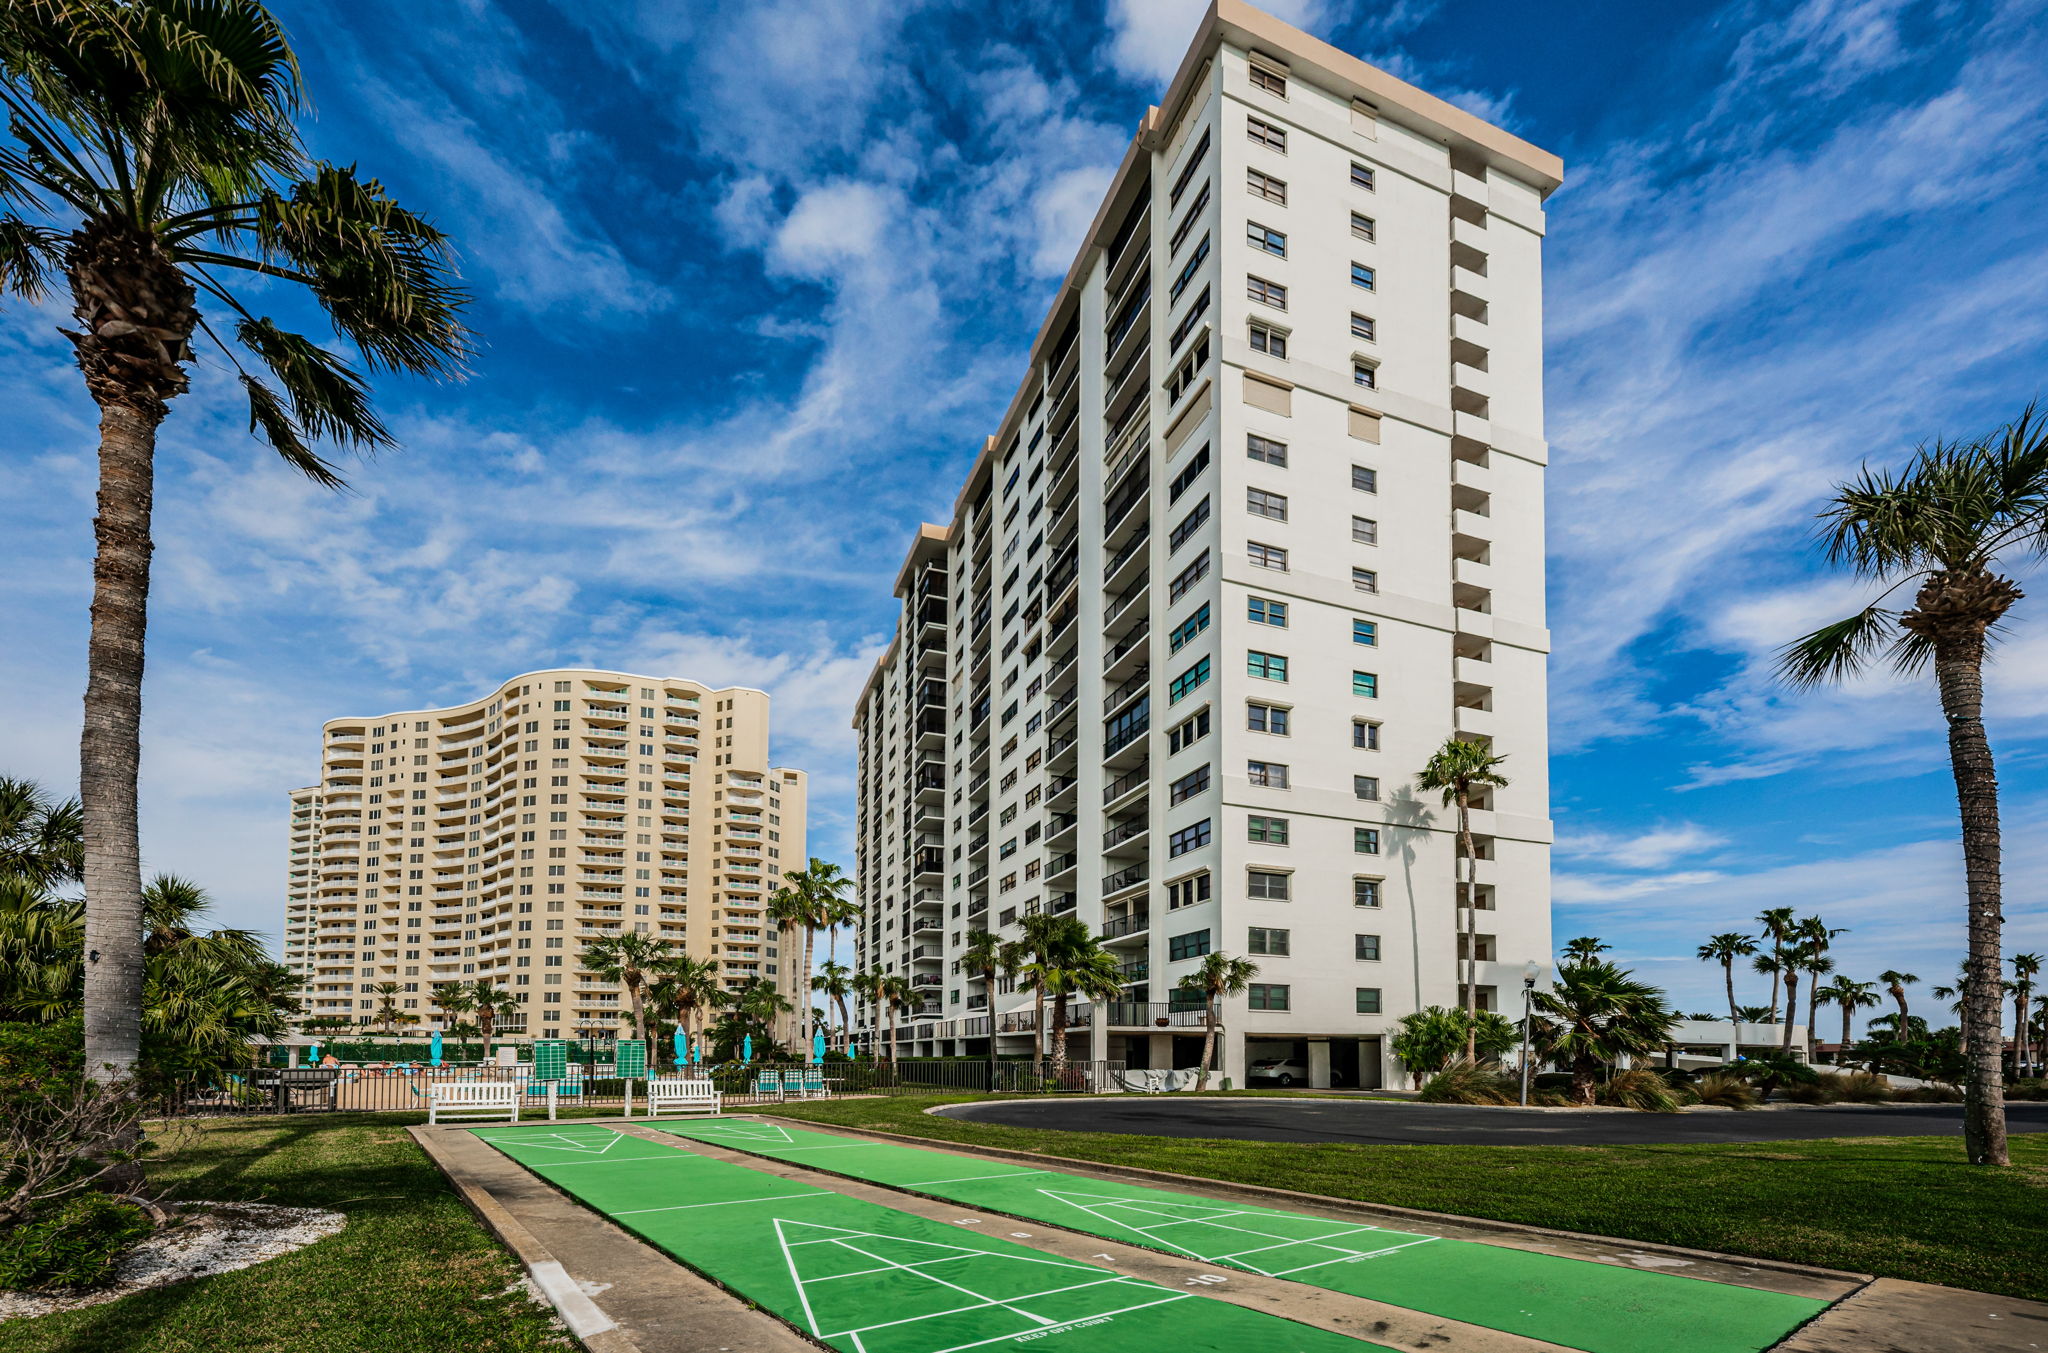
(1342, 1258)
(970, 1178)
(1235, 1256)
(570, 1143)
(684, 1207)
(1099, 1315)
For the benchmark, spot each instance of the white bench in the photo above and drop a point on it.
(473, 1099)
(688, 1094)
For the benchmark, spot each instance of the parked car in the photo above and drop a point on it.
(1279, 1070)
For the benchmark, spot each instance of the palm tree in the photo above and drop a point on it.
(630, 959)
(1455, 770)
(164, 133)
(2025, 968)
(1755, 1014)
(1772, 966)
(454, 1000)
(1724, 949)
(1947, 523)
(888, 990)
(41, 840)
(685, 986)
(759, 1003)
(487, 999)
(1594, 1014)
(1777, 926)
(791, 910)
(834, 981)
(986, 957)
(387, 1004)
(1896, 983)
(1815, 937)
(1064, 960)
(1851, 997)
(814, 899)
(835, 909)
(1220, 975)
(1584, 949)
(1795, 960)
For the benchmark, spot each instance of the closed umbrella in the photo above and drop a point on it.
(434, 1049)
(818, 1046)
(747, 1048)
(313, 1055)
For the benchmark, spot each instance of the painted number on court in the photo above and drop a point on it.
(1206, 1280)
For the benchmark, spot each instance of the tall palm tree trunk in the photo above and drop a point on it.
(803, 997)
(1728, 974)
(1037, 1032)
(1848, 1012)
(1471, 919)
(1791, 1010)
(639, 1011)
(988, 984)
(1059, 1036)
(1208, 1036)
(1812, 1009)
(1959, 673)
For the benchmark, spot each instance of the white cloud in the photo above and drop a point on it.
(1652, 849)
(1148, 38)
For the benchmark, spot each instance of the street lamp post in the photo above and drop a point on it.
(1529, 973)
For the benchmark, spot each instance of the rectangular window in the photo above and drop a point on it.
(1269, 340)
(1269, 666)
(1183, 378)
(1365, 735)
(1365, 580)
(1192, 471)
(1266, 719)
(1267, 941)
(1188, 270)
(1266, 996)
(1195, 158)
(1187, 578)
(1366, 948)
(1361, 175)
(1265, 449)
(1266, 186)
(1364, 480)
(1266, 556)
(1269, 885)
(1365, 840)
(1188, 732)
(1266, 134)
(1263, 611)
(1266, 774)
(1189, 628)
(1368, 1000)
(1188, 525)
(1268, 79)
(1362, 276)
(1188, 786)
(1273, 241)
(1188, 681)
(1270, 831)
(1188, 838)
(1266, 293)
(1365, 632)
(1194, 944)
(1365, 787)
(1260, 503)
(1362, 225)
(1188, 891)
(1187, 220)
(1365, 892)
(1362, 326)
(1365, 375)
(1196, 309)
(1365, 685)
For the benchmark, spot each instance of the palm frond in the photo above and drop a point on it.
(269, 417)
(28, 255)
(328, 399)
(1835, 652)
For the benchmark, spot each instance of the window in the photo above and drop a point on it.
(1196, 309)
(1361, 276)
(1266, 719)
(1189, 628)
(1361, 175)
(1368, 1000)
(1269, 885)
(1362, 479)
(1188, 525)
(1183, 378)
(1269, 340)
(1269, 666)
(1188, 680)
(1273, 241)
(1362, 326)
(1191, 945)
(1188, 891)
(1267, 612)
(1268, 79)
(1266, 134)
(1266, 996)
(1187, 786)
(1365, 684)
(1365, 580)
(1188, 270)
(1266, 293)
(1266, 774)
(1365, 787)
(1365, 948)
(1271, 831)
(1188, 732)
(1266, 556)
(1365, 375)
(1365, 735)
(1260, 503)
(1193, 470)
(1264, 940)
(1195, 158)
(1265, 449)
(1188, 838)
(1188, 577)
(1365, 632)
(1266, 186)
(1365, 892)
(1188, 219)
(1365, 840)
(1362, 225)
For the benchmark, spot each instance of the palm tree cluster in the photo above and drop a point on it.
(812, 899)
(1594, 1015)
(1797, 947)
(684, 990)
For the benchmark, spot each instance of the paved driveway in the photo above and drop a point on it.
(1378, 1120)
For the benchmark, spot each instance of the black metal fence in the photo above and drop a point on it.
(387, 1089)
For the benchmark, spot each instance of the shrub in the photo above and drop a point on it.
(1726, 1091)
(1464, 1082)
(75, 1245)
(1820, 1090)
(1550, 1099)
(1862, 1087)
(2027, 1089)
(1929, 1094)
(1640, 1088)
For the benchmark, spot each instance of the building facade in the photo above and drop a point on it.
(494, 839)
(1262, 529)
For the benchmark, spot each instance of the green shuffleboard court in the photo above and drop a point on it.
(1601, 1308)
(870, 1279)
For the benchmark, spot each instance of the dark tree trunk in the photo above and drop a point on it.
(1471, 918)
(1728, 972)
(1791, 1010)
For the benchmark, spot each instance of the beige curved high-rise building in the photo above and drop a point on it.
(494, 839)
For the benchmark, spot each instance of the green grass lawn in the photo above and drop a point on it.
(1900, 1207)
(413, 1272)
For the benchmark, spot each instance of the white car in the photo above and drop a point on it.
(1279, 1070)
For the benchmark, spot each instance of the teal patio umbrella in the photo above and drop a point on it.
(682, 1048)
(818, 1046)
(434, 1049)
(747, 1048)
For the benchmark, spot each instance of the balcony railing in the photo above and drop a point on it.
(1136, 923)
(1131, 547)
(1124, 878)
(1136, 681)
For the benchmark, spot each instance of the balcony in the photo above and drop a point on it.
(1121, 835)
(1131, 685)
(1150, 1015)
(1129, 877)
(1126, 927)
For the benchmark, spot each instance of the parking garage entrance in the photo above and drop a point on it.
(1337, 1062)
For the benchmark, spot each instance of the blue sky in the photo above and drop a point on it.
(754, 280)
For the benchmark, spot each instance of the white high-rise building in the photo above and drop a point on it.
(1261, 530)
(494, 839)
